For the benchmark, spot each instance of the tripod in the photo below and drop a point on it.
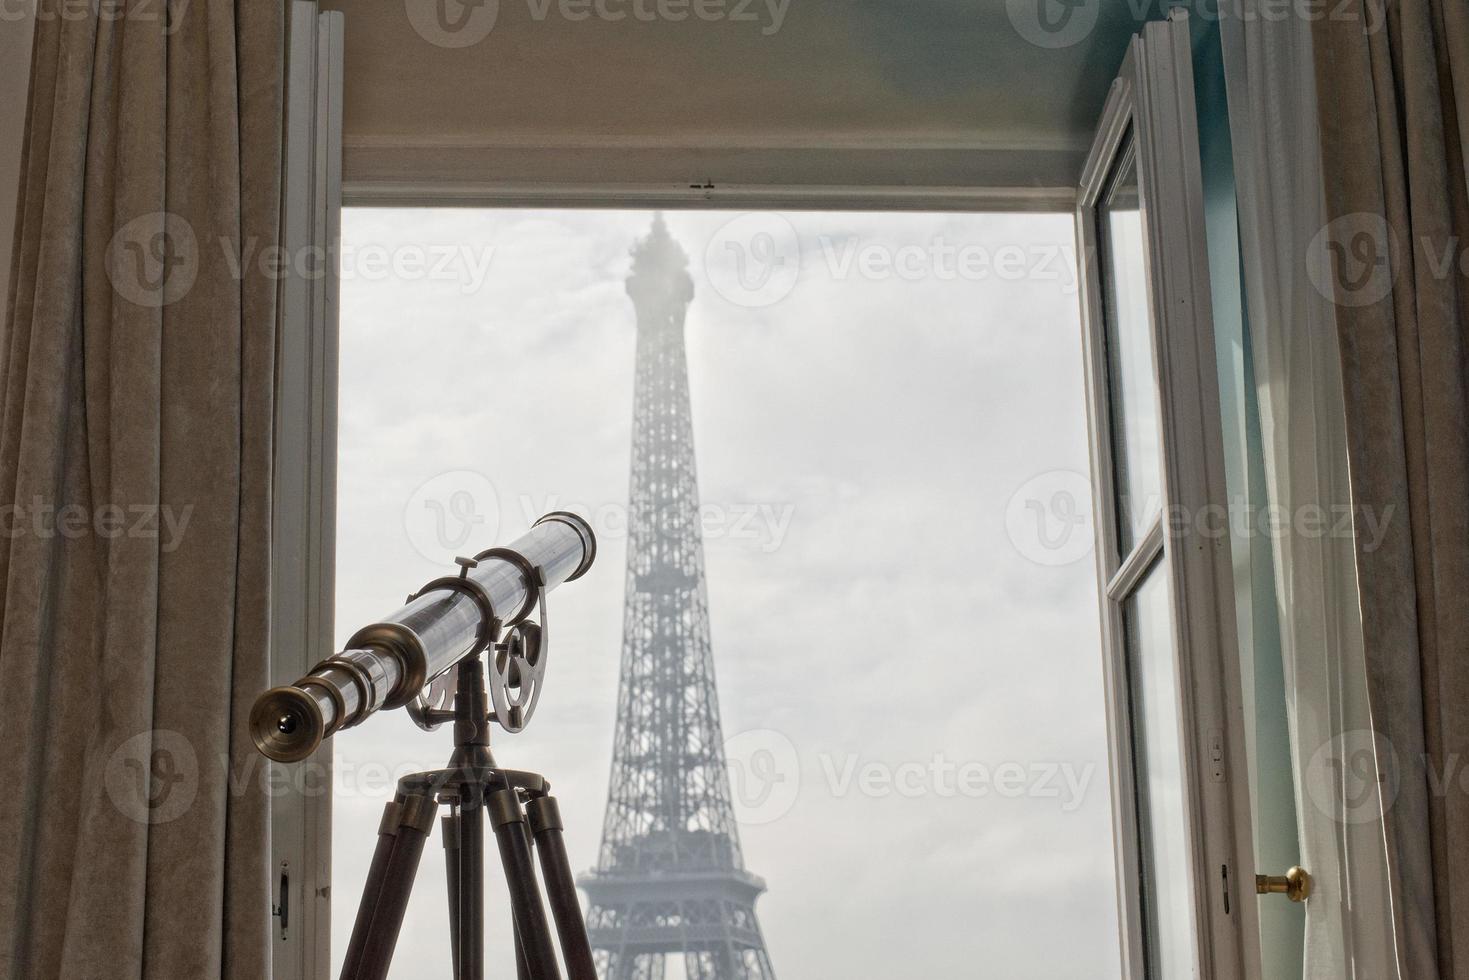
(520, 810)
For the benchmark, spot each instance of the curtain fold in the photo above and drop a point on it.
(1273, 109)
(136, 409)
(1393, 144)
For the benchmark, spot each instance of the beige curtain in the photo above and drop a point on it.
(135, 460)
(1395, 84)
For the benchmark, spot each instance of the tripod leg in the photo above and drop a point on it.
(520, 875)
(414, 823)
(522, 968)
(472, 890)
(545, 823)
(387, 836)
(450, 827)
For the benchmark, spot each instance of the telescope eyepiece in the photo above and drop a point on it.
(286, 724)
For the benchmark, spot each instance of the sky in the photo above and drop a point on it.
(891, 438)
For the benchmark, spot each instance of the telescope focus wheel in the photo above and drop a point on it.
(516, 671)
(518, 664)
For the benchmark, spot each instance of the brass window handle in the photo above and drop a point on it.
(1295, 884)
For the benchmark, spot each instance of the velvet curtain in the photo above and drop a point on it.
(1395, 84)
(135, 473)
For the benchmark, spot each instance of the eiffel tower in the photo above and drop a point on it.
(671, 880)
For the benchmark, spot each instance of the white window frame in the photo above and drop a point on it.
(1153, 97)
(303, 522)
(1154, 94)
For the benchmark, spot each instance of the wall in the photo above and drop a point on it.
(876, 95)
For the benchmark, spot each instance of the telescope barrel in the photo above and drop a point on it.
(387, 664)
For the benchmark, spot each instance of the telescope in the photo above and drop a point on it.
(445, 646)
(388, 664)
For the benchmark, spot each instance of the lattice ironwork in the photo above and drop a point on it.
(670, 881)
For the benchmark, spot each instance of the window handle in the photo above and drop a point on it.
(1295, 884)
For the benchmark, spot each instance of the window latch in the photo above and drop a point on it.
(283, 906)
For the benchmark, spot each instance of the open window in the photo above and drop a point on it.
(1179, 809)
(1184, 864)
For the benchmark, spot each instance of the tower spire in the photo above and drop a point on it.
(671, 879)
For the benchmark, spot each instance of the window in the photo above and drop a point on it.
(1172, 671)
(890, 433)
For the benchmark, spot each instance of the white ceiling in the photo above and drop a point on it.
(878, 95)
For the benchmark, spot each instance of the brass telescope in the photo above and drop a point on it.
(389, 663)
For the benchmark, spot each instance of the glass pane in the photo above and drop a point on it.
(1158, 756)
(1134, 395)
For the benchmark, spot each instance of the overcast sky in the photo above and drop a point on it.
(890, 431)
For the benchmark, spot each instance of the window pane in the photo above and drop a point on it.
(1158, 755)
(872, 405)
(1134, 396)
